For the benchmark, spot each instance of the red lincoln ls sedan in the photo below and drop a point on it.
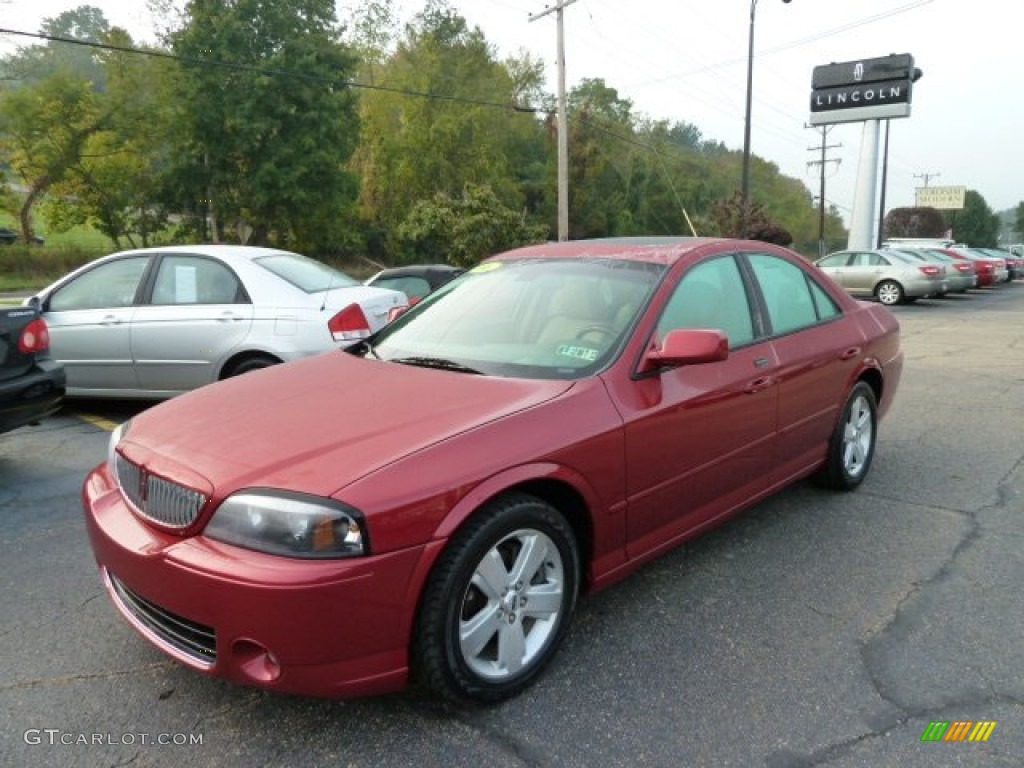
(431, 502)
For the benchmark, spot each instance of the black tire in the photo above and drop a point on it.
(852, 445)
(249, 364)
(476, 619)
(889, 292)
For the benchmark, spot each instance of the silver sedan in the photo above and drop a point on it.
(889, 276)
(960, 274)
(156, 322)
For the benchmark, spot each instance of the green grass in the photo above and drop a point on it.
(25, 269)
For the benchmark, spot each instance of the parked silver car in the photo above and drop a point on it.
(890, 276)
(156, 322)
(961, 275)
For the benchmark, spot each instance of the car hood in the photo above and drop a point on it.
(317, 424)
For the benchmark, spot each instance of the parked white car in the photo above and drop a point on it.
(156, 322)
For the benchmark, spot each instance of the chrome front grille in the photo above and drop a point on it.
(197, 642)
(158, 499)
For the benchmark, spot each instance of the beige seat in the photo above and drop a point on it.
(574, 310)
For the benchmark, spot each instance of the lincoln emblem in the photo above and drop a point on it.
(858, 72)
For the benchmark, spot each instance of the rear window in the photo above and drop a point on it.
(304, 273)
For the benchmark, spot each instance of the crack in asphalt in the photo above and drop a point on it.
(951, 709)
(50, 682)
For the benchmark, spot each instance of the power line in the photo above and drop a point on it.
(277, 72)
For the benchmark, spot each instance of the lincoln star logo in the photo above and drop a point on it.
(858, 72)
(143, 485)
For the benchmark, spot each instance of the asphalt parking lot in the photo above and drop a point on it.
(815, 630)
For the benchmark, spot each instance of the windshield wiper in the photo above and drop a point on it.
(437, 362)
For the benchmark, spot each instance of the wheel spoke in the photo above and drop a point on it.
(543, 601)
(475, 634)
(530, 559)
(511, 647)
(490, 576)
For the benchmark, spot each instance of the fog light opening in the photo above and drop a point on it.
(255, 662)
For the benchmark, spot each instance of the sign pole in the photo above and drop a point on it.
(862, 220)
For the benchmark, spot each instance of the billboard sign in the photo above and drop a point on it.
(943, 198)
(867, 89)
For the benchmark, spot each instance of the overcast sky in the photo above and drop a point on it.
(686, 60)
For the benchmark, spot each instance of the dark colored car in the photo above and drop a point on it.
(9, 236)
(415, 281)
(431, 501)
(31, 382)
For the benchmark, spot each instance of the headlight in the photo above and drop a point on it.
(115, 438)
(289, 524)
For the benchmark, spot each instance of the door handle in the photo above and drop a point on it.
(230, 316)
(851, 352)
(758, 385)
(111, 320)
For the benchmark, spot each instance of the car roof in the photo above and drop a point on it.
(660, 250)
(222, 250)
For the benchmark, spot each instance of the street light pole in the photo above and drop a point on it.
(745, 190)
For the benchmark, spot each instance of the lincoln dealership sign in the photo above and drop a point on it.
(868, 89)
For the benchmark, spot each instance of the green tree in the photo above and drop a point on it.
(975, 224)
(915, 222)
(1019, 225)
(267, 122)
(441, 125)
(604, 176)
(115, 183)
(44, 129)
(35, 63)
(463, 230)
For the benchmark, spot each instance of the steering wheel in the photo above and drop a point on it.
(603, 330)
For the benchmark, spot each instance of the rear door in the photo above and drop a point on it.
(89, 319)
(198, 312)
(818, 353)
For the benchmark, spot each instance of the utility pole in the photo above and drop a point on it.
(823, 148)
(563, 122)
(927, 177)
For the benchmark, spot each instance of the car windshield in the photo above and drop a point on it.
(304, 273)
(529, 318)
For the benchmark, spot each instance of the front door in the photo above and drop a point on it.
(90, 320)
(700, 438)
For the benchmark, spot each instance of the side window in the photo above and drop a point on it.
(108, 286)
(711, 295)
(195, 280)
(824, 303)
(835, 260)
(786, 291)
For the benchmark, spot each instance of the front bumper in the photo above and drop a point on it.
(335, 628)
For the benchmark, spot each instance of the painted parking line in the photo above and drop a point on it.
(98, 421)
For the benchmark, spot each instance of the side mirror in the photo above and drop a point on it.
(688, 346)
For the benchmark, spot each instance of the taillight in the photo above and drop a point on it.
(963, 267)
(349, 325)
(930, 270)
(35, 337)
